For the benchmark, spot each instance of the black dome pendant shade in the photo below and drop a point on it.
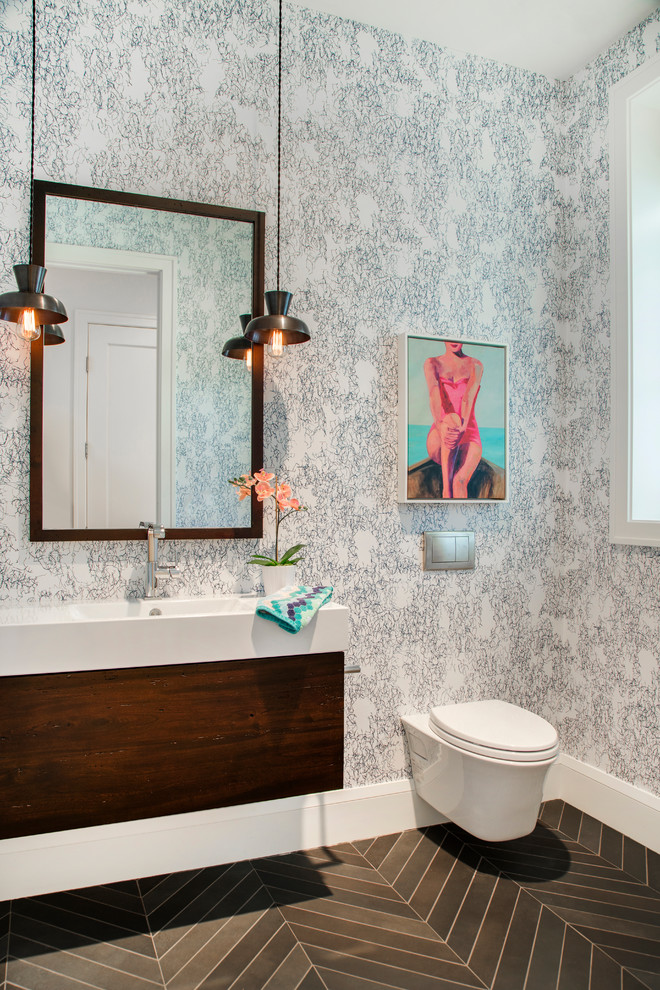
(52, 334)
(239, 347)
(289, 329)
(30, 300)
(30, 281)
(261, 329)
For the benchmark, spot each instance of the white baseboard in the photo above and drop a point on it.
(40, 864)
(628, 809)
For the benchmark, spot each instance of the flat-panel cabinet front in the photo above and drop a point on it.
(94, 747)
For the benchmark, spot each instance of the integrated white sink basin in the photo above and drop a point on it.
(102, 635)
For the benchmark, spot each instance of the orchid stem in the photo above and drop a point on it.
(277, 521)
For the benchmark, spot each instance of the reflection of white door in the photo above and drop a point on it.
(117, 486)
(90, 261)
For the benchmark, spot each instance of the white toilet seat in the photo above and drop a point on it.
(508, 755)
(497, 730)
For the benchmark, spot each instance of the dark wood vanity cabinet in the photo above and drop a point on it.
(95, 747)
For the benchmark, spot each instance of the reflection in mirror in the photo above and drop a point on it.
(143, 417)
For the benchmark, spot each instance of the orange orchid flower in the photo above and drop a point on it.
(284, 506)
(264, 490)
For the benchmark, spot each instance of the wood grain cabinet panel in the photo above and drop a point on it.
(94, 747)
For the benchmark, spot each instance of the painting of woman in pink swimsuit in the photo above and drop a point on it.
(453, 420)
(453, 442)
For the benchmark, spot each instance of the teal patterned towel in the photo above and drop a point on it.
(293, 607)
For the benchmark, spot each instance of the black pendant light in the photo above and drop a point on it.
(277, 328)
(240, 347)
(29, 307)
(52, 334)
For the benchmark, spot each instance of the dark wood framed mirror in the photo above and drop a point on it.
(137, 415)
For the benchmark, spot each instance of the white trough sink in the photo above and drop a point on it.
(104, 635)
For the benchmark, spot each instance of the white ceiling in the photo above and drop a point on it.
(556, 38)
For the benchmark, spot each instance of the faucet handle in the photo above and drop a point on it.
(157, 529)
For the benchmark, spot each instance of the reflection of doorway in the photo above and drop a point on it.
(125, 289)
(115, 421)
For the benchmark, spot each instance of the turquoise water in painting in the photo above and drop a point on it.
(493, 444)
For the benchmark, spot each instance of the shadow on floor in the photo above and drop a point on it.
(540, 856)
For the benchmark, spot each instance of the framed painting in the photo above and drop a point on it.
(453, 420)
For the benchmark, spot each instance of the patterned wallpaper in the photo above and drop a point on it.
(607, 697)
(423, 190)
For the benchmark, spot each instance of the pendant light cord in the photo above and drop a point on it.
(279, 138)
(34, 100)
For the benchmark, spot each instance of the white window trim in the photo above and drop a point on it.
(622, 527)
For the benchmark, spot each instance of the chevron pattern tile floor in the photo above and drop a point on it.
(574, 906)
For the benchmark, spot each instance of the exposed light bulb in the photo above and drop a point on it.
(248, 359)
(26, 326)
(276, 345)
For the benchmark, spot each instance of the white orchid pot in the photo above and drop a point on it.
(276, 577)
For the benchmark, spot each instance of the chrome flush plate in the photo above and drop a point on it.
(448, 551)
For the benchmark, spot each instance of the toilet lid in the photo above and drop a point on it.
(494, 725)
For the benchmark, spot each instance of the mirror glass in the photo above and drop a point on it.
(142, 416)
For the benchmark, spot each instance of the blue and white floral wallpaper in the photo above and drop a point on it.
(423, 190)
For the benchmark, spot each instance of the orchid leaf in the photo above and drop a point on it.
(291, 552)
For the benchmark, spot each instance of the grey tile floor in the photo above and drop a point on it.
(574, 906)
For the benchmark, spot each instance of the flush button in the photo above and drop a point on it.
(445, 551)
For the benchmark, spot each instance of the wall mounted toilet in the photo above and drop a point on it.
(482, 764)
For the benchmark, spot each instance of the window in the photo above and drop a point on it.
(635, 177)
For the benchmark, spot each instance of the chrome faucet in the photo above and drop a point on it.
(155, 532)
